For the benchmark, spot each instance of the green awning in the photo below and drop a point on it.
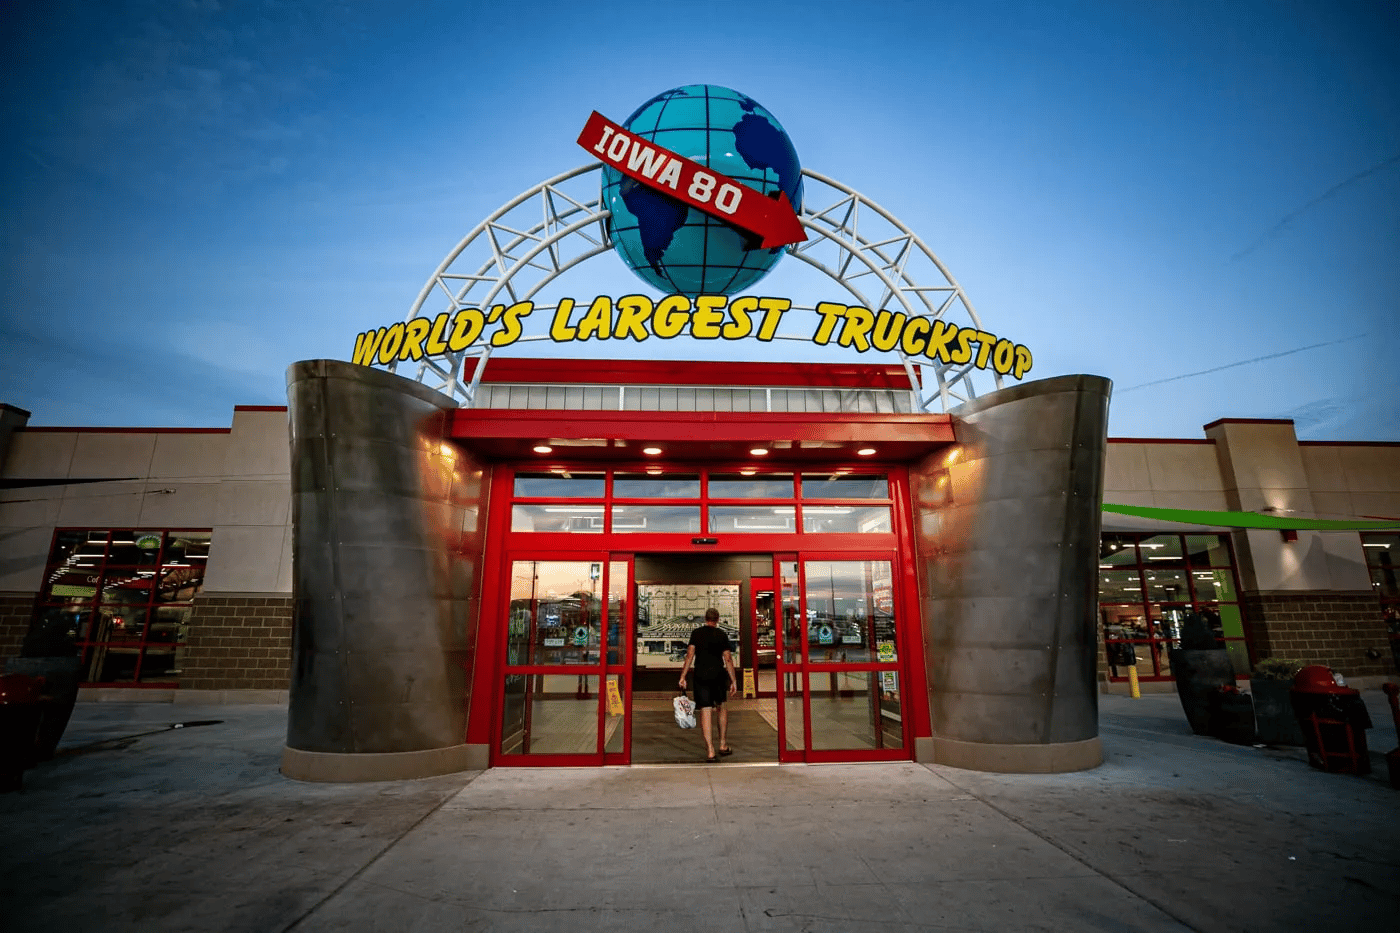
(1251, 519)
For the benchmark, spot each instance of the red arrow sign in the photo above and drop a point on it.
(774, 222)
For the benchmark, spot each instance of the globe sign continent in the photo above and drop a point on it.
(672, 246)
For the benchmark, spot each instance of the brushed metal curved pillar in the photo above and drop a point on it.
(1008, 533)
(383, 506)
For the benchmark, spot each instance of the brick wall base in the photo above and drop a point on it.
(16, 611)
(238, 642)
(1335, 629)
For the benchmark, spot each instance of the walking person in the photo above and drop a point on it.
(711, 653)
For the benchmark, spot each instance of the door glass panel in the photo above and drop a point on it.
(848, 711)
(613, 732)
(850, 611)
(794, 719)
(555, 612)
(838, 519)
(791, 633)
(617, 610)
(550, 714)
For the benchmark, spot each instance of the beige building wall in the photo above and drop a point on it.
(235, 481)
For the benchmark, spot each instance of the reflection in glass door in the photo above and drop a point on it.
(840, 665)
(555, 695)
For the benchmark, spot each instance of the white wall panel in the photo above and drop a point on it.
(188, 455)
(113, 454)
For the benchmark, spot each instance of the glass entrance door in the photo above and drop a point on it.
(565, 688)
(839, 664)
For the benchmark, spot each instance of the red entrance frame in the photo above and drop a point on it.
(690, 440)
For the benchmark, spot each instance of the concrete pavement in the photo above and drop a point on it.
(194, 829)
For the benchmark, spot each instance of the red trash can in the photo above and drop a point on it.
(21, 697)
(1334, 721)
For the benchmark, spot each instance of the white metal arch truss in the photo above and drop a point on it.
(558, 224)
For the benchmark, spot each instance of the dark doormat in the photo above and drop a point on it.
(656, 739)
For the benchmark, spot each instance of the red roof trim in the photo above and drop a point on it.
(1349, 443)
(690, 372)
(1218, 421)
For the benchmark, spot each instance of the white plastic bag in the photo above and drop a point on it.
(685, 711)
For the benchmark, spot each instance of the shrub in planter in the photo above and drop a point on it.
(1200, 666)
(1274, 722)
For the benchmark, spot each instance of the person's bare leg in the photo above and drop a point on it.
(724, 727)
(707, 719)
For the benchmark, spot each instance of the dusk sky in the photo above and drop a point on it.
(1199, 199)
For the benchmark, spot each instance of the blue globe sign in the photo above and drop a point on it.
(672, 245)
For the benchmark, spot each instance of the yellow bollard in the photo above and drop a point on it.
(1133, 690)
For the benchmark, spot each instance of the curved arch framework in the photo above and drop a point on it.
(558, 224)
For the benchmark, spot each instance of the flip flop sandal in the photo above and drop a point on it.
(711, 760)
(726, 751)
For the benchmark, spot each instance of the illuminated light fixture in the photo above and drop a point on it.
(865, 452)
(1373, 544)
(654, 471)
(651, 451)
(747, 472)
(759, 451)
(543, 449)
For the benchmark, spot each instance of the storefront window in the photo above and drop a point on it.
(120, 600)
(1149, 585)
(561, 485)
(656, 486)
(753, 519)
(750, 486)
(845, 486)
(1383, 563)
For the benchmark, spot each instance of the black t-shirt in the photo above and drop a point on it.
(711, 642)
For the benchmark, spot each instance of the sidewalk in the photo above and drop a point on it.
(194, 829)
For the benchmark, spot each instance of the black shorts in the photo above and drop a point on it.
(711, 691)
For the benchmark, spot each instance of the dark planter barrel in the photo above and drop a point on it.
(1274, 722)
(60, 693)
(1198, 673)
(1232, 717)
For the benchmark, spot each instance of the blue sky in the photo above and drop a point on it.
(197, 194)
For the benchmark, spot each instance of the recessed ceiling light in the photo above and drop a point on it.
(651, 451)
(654, 471)
(759, 451)
(747, 472)
(865, 452)
(543, 449)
